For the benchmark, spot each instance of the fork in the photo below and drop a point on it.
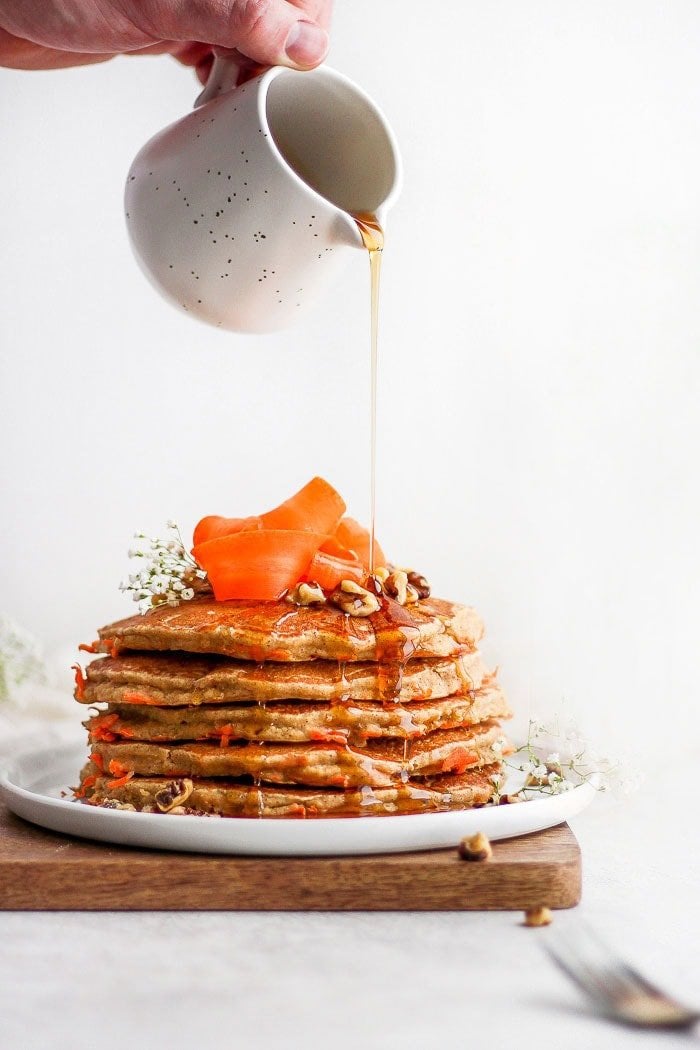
(616, 988)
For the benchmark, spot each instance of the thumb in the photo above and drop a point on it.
(273, 33)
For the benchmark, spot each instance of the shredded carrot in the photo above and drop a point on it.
(98, 761)
(225, 733)
(117, 768)
(459, 760)
(120, 782)
(130, 696)
(101, 728)
(102, 735)
(79, 681)
(91, 647)
(111, 646)
(87, 783)
(328, 736)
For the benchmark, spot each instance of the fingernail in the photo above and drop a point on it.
(306, 44)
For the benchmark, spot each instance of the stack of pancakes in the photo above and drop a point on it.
(266, 709)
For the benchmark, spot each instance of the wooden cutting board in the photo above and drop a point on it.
(44, 871)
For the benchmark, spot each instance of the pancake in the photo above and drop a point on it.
(379, 763)
(228, 798)
(278, 631)
(279, 722)
(179, 679)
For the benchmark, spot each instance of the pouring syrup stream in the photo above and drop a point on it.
(373, 239)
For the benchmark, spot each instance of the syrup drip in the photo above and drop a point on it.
(344, 684)
(396, 640)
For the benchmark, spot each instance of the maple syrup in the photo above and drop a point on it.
(372, 236)
(396, 634)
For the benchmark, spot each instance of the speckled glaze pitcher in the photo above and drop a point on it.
(241, 212)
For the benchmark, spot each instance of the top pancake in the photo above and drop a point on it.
(280, 632)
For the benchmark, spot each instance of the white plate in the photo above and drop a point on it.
(32, 787)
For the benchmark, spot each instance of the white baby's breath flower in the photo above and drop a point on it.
(166, 571)
(21, 659)
(555, 760)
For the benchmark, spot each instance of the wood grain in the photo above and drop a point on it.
(45, 871)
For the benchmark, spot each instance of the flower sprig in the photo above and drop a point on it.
(21, 658)
(167, 573)
(554, 760)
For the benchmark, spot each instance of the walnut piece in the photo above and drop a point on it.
(539, 916)
(412, 594)
(113, 803)
(420, 583)
(396, 585)
(354, 600)
(306, 594)
(173, 794)
(509, 800)
(475, 847)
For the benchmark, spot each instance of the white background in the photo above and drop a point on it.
(540, 357)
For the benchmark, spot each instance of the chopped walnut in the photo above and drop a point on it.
(403, 585)
(396, 585)
(306, 594)
(174, 794)
(420, 583)
(354, 600)
(113, 803)
(509, 800)
(475, 847)
(539, 916)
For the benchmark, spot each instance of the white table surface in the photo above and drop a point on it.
(404, 980)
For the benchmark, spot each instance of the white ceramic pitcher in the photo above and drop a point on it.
(241, 212)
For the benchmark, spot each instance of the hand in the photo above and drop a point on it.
(53, 34)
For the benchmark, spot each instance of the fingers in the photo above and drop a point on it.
(16, 53)
(270, 32)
